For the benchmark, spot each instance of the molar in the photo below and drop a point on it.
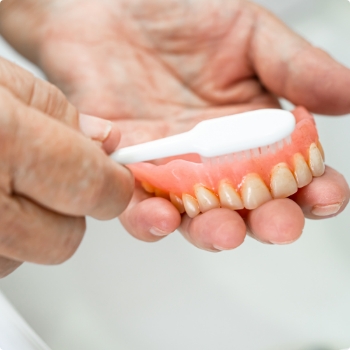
(302, 171)
(191, 205)
(177, 202)
(316, 161)
(254, 191)
(160, 193)
(229, 198)
(283, 183)
(147, 187)
(206, 199)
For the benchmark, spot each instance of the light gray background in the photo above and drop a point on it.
(118, 293)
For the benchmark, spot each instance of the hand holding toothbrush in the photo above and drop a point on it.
(51, 175)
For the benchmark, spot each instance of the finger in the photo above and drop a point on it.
(58, 167)
(325, 196)
(150, 218)
(48, 99)
(290, 67)
(215, 230)
(31, 233)
(37, 93)
(7, 266)
(280, 221)
(101, 130)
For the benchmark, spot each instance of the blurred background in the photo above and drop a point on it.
(119, 293)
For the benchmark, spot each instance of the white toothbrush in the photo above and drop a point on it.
(250, 131)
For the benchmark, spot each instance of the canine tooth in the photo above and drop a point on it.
(302, 171)
(283, 183)
(191, 205)
(147, 187)
(229, 198)
(177, 202)
(254, 191)
(206, 199)
(160, 193)
(319, 146)
(316, 161)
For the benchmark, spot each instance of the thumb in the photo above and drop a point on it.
(292, 68)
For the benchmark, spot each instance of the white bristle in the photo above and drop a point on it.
(247, 154)
(256, 152)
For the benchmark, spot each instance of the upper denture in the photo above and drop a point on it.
(243, 180)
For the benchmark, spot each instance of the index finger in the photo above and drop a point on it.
(58, 167)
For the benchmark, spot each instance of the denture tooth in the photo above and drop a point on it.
(160, 193)
(319, 146)
(191, 205)
(206, 199)
(177, 203)
(316, 161)
(147, 187)
(302, 171)
(282, 183)
(254, 191)
(229, 198)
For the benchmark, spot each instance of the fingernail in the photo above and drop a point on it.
(326, 210)
(283, 243)
(95, 128)
(157, 232)
(219, 248)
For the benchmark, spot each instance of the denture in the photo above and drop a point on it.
(246, 180)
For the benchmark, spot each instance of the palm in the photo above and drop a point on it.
(158, 72)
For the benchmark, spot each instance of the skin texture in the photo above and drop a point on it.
(158, 67)
(51, 175)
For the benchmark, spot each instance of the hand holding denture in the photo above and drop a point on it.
(158, 68)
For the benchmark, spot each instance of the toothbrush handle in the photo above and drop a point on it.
(166, 147)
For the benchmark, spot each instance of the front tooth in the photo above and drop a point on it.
(302, 171)
(160, 193)
(254, 191)
(191, 205)
(283, 183)
(206, 199)
(316, 161)
(177, 202)
(229, 198)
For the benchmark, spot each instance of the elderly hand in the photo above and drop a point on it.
(157, 67)
(51, 175)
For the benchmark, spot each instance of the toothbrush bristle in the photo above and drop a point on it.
(247, 154)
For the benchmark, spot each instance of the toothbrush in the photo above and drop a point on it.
(251, 132)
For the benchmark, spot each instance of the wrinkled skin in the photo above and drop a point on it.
(157, 67)
(51, 175)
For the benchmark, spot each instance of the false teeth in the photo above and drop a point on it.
(283, 183)
(191, 205)
(177, 202)
(316, 162)
(302, 171)
(206, 199)
(229, 198)
(254, 191)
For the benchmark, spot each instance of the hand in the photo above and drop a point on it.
(51, 176)
(158, 67)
